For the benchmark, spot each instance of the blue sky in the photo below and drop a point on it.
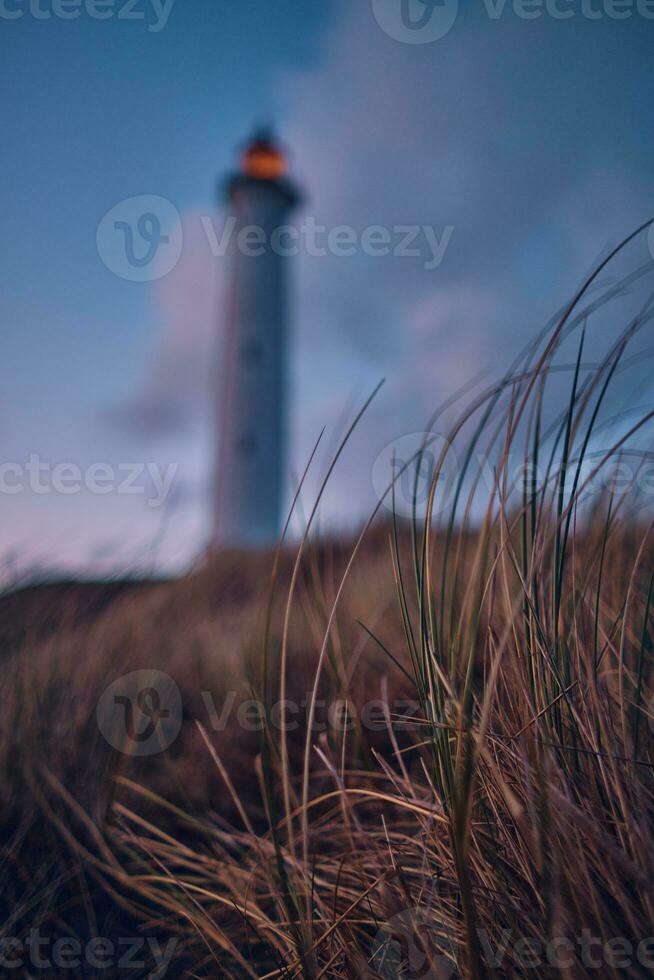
(532, 139)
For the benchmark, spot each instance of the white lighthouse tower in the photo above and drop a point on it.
(252, 393)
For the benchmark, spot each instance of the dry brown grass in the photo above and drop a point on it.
(504, 829)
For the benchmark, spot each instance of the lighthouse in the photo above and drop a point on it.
(252, 405)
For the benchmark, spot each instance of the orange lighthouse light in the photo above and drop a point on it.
(263, 160)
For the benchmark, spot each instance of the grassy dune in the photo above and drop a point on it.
(426, 752)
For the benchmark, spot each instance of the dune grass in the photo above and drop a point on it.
(445, 765)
